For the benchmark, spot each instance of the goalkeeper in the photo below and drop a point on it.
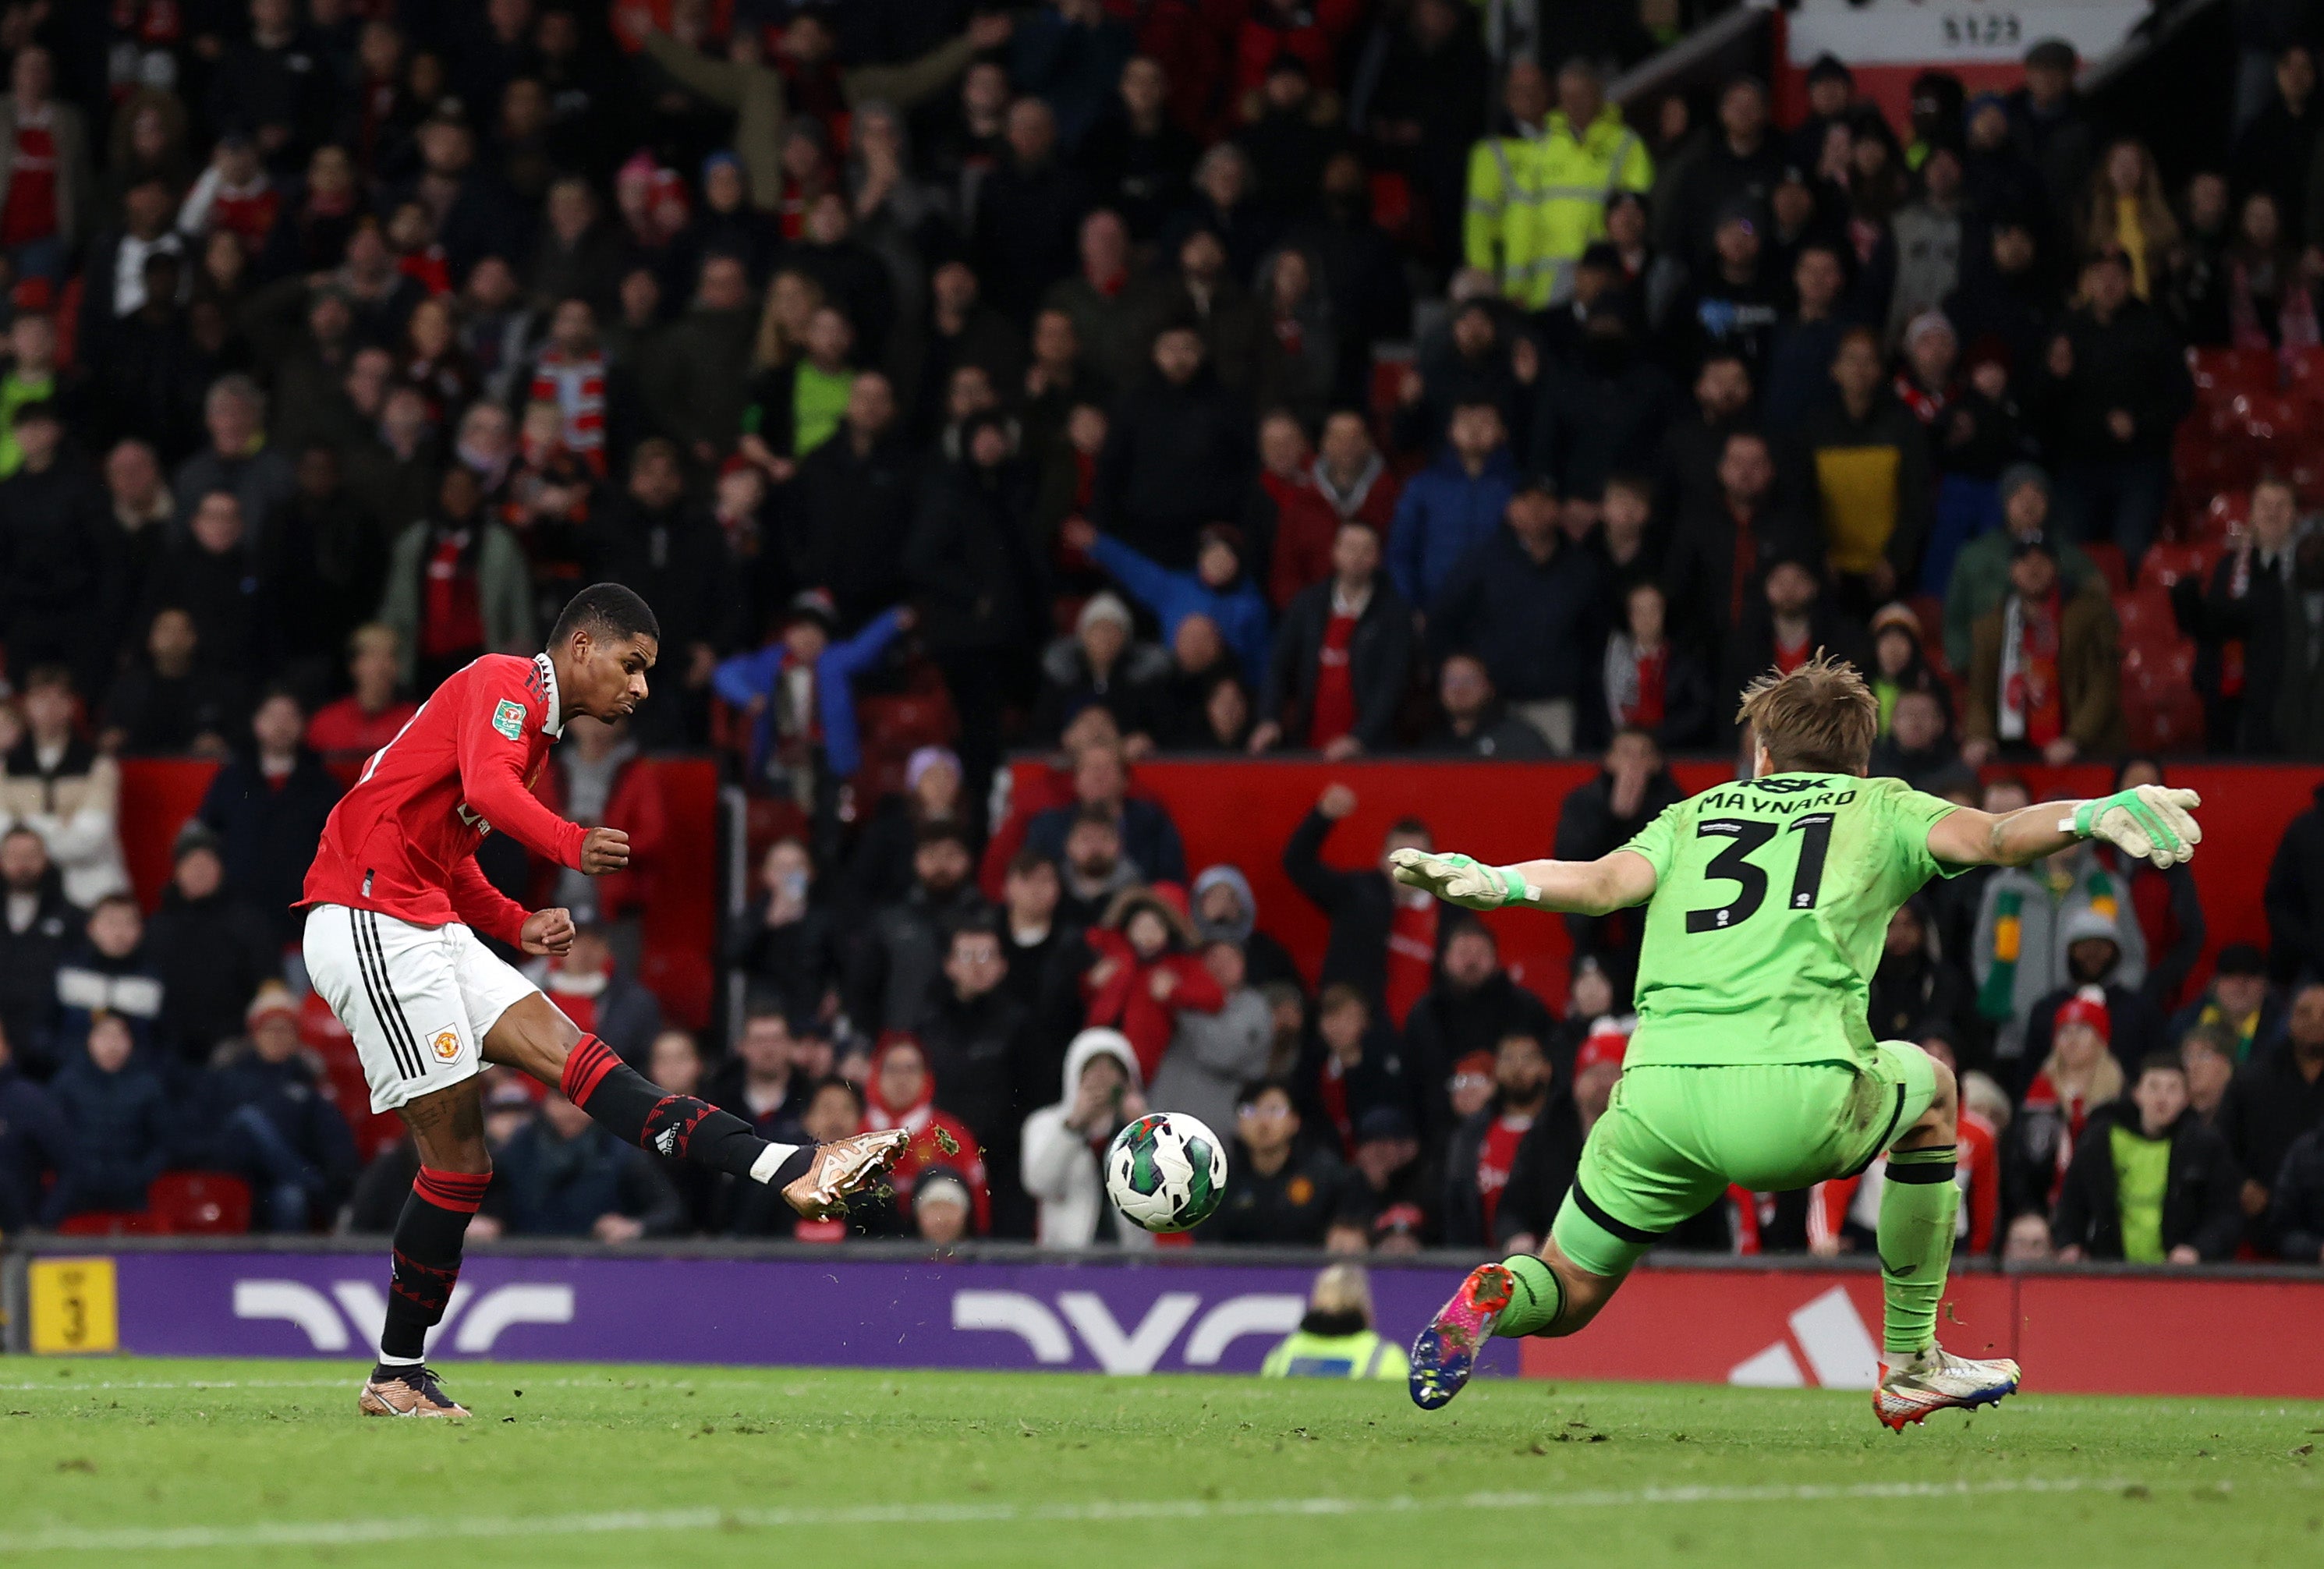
(1753, 1064)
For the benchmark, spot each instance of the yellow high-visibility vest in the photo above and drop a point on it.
(1538, 199)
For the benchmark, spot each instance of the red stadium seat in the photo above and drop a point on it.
(2166, 564)
(2228, 514)
(200, 1203)
(2220, 374)
(2146, 616)
(2108, 560)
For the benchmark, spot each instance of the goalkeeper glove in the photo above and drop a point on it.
(1459, 879)
(2149, 822)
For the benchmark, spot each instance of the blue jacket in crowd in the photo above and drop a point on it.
(33, 1145)
(119, 1139)
(1240, 611)
(1538, 625)
(1442, 516)
(751, 677)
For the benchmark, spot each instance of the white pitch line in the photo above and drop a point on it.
(400, 1529)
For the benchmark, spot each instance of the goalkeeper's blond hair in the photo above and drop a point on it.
(1821, 718)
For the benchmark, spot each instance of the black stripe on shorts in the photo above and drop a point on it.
(1621, 1229)
(370, 959)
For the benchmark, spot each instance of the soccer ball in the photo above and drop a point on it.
(1165, 1172)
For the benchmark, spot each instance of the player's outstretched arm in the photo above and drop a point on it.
(2148, 822)
(1611, 882)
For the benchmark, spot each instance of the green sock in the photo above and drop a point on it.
(1918, 1202)
(1536, 1303)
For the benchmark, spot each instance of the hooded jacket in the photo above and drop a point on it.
(1264, 959)
(1443, 514)
(2024, 925)
(1063, 1170)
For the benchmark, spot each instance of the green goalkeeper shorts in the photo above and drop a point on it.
(1675, 1138)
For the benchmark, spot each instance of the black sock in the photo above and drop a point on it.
(428, 1238)
(682, 1127)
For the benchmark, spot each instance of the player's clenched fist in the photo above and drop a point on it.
(1459, 879)
(2147, 821)
(605, 850)
(546, 932)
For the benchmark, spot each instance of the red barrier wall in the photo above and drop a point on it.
(1822, 1328)
(1242, 811)
(681, 928)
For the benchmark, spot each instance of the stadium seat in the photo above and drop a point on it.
(198, 1203)
(2108, 560)
(2145, 615)
(2228, 514)
(2166, 564)
(2220, 374)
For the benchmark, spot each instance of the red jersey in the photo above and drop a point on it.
(403, 841)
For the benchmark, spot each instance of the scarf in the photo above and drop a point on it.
(577, 387)
(1996, 999)
(2295, 312)
(1347, 502)
(1635, 681)
(2032, 709)
(1925, 405)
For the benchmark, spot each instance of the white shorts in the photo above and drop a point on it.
(417, 1000)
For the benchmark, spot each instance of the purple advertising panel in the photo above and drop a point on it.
(792, 1311)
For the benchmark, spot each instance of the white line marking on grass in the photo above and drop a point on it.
(354, 1533)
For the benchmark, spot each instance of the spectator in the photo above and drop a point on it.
(37, 924)
(1919, 747)
(796, 404)
(2274, 1099)
(1212, 1054)
(1981, 572)
(210, 949)
(972, 1030)
(2079, 1076)
(1728, 540)
(1092, 869)
(2296, 1203)
(2022, 951)
(2298, 721)
(901, 1093)
(57, 559)
(1028, 210)
(1472, 1006)
(2094, 958)
(1734, 302)
(1632, 788)
(1868, 459)
(260, 1113)
(1602, 412)
(880, 868)
(943, 1208)
(2208, 1053)
(652, 540)
(209, 574)
(675, 1063)
(1915, 989)
(2044, 676)
(1929, 235)
(2169, 905)
(852, 506)
(1476, 723)
(1107, 310)
(1382, 940)
(457, 585)
(1178, 454)
(1352, 478)
(562, 1176)
(800, 695)
(1148, 836)
(2149, 1184)
(2114, 390)
(63, 790)
(1219, 587)
(1452, 507)
(1279, 1190)
(1383, 1203)
(1034, 929)
(1336, 1338)
(1136, 158)
(2241, 608)
(1341, 658)
(348, 730)
(1145, 975)
(1806, 340)
(35, 1144)
(48, 194)
(267, 807)
(768, 1078)
(1484, 1147)
(239, 459)
(115, 1117)
(1102, 663)
(1064, 1144)
(1650, 683)
(786, 946)
(109, 972)
(589, 986)
(2238, 1002)
(1223, 910)
(1358, 1067)
(902, 951)
(1741, 160)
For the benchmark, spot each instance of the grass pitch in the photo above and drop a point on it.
(165, 1463)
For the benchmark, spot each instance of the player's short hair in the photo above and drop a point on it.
(606, 610)
(1820, 718)
(2161, 1062)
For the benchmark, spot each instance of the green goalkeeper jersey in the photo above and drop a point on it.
(1772, 899)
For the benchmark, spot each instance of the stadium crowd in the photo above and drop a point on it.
(1104, 379)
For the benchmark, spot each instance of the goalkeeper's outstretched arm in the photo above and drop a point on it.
(1611, 882)
(2148, 822)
